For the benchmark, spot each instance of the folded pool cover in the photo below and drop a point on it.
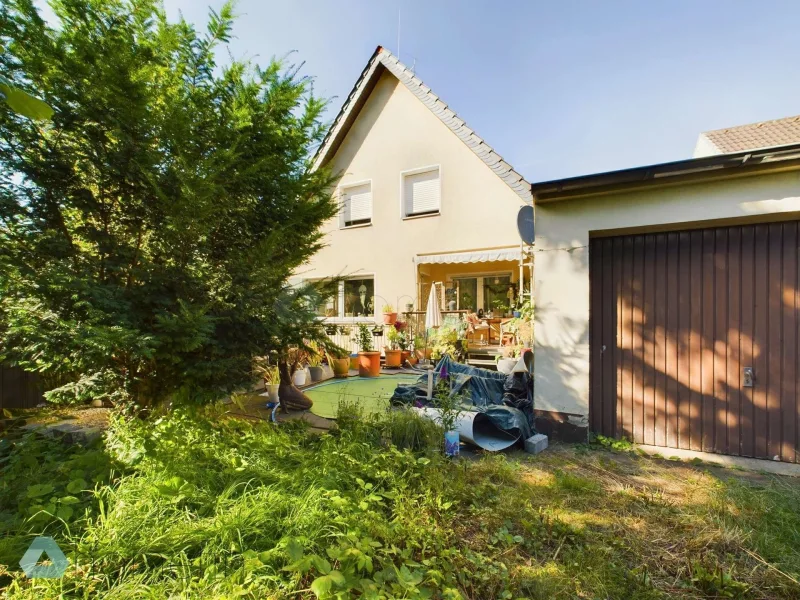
(485, 389)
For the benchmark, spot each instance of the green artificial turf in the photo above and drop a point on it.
(372, 393)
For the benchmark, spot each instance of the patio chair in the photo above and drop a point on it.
(477, 327)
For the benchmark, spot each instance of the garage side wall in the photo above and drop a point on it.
(562, 263)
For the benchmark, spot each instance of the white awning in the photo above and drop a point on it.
(469, 257)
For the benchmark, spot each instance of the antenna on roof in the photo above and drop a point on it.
(398, 33)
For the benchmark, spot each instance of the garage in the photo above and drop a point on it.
(694, 339)
(666, 304)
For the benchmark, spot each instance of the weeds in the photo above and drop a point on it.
(194, 506)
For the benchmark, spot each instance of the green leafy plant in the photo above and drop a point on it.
(444, 340)
(419, 342)
(451, 405)
(388, 308)
(403, 340)
(267, 371)
(314, 358)
(162, 209)
(717, 583)
(394, 336)
(364, 338)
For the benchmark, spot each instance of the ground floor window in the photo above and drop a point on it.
(490, 292)
(359, 297)
(498, 294)
(466, 293)
(354, 298)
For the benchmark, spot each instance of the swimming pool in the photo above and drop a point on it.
(372, 393)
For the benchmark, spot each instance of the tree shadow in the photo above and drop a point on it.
(676, 318)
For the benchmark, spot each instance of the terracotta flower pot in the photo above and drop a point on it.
(341, 367)
(412, 360)
(389, 318)
(393, 358)
(404, 356)
(369, 364)
(353, 361)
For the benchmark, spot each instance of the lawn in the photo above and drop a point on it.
(192, 505)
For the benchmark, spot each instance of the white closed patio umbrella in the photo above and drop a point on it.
(433, 320)
(433, 314)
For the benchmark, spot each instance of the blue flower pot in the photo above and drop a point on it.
(517, 314)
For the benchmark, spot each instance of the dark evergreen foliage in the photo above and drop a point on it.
(147, 232)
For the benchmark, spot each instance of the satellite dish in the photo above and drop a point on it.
(525, 225)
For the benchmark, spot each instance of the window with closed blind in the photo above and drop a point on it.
(356, 204)
(421, 192)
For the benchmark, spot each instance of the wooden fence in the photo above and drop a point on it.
(19, 389)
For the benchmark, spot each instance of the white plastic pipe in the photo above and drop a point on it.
(477, 429)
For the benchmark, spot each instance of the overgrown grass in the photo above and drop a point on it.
(194, 506)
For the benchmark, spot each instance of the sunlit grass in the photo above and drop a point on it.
(195, 506)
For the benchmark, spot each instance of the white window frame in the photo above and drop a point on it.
(403, 174)
(340, 190)
(341, 318)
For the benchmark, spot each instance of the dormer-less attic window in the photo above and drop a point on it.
(421, 192)
(356, 204)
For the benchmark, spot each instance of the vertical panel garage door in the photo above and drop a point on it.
(677, 317)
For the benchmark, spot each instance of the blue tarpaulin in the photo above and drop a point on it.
(485, 389)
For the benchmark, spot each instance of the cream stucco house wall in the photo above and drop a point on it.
(393, 134)
(699, 193)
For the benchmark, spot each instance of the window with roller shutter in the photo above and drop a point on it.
(421, 192)
(356, 204)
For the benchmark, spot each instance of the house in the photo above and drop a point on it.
(423, 200)
(668, 298)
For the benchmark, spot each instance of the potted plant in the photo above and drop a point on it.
(339, 362)
(389, 314)
(315, 369)
(498, 307)
(450, 410)
(509, 358)
(299, 377)
(393, 353)
(271, 376)
(420, 350)
(298, 357)
(369, 360)
(403, 343)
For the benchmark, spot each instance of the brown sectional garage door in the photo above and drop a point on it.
(676, 318)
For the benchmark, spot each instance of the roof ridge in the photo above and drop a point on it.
(439, 108)
(792, 118)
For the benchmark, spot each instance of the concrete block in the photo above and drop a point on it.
(536, 443)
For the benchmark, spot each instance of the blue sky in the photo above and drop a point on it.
(559, 88)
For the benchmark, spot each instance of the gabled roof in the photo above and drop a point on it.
(754, 136)
(382, 60)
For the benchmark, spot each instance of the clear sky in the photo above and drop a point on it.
(558, 87)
